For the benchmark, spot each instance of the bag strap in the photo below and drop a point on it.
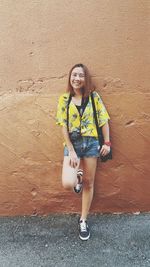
(99, 132)
(69, 100)
(81, 111)
(96, 119)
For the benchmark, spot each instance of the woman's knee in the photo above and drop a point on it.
(69, 181)
(69, 175)
(88, 183)
(68, 184)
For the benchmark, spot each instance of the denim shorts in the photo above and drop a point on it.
(85, 146)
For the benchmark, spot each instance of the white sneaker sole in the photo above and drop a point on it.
(84, 238)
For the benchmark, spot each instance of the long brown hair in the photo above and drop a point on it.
(88, 88)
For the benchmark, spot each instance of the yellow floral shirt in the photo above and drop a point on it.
(85, 124)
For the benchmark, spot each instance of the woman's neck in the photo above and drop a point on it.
(77, 99)
(78, 94)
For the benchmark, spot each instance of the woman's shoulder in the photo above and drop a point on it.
(64, 97)
(95, 94)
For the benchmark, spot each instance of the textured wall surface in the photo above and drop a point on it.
(39, 43)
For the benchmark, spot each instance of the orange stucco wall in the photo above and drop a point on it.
(39, 43)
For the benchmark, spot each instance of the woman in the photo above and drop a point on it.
(75, 115)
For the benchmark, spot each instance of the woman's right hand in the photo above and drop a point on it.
(73, 159)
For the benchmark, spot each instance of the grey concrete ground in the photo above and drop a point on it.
(116, 240)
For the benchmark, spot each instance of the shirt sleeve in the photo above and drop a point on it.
(61, 116)
(102, 113)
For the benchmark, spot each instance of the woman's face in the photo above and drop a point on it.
(77, 78)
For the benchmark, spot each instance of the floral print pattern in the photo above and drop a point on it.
(85, 124)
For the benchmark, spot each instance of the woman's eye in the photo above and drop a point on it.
(80, 75)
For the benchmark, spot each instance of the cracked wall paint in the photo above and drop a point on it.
(35, 61)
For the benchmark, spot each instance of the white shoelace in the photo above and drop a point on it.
(83, 226)
(78, 186)
(79, 183)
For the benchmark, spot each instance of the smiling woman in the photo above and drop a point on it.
(77, 79)
(81, 150)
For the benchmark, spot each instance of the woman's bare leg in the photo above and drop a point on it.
(89, 166)
(69, 174)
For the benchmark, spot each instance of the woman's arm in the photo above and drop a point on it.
(74, 160)
(67, 138)
(105, 132)
(105, 147)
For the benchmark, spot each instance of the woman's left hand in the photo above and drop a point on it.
(104, 150)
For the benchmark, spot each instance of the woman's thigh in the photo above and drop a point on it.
(89, 166)
(69, 174)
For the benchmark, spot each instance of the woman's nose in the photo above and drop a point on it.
(77, 77)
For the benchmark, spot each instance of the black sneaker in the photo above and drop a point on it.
(84, 232)
(78, 187)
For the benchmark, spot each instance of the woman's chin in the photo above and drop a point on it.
(77, 90)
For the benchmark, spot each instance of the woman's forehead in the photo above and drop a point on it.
(78, 70)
